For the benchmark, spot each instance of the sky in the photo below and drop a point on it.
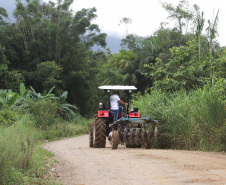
(146, 15)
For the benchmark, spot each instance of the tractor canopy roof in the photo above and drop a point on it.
(117, 87)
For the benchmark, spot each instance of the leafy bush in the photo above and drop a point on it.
(44, 113)
(8, 98)
(25, 100)
(7, 117)
(64, 109)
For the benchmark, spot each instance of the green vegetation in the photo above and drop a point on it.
(188, 120)
(22, 159)
(27, 119)
(49, 77)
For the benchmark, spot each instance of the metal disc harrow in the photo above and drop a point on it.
(132, 138)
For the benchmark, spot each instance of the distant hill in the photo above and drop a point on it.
(113, 42)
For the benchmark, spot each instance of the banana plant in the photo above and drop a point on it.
(37, 96)
(8, 98)
(26, 97)
(66, 110)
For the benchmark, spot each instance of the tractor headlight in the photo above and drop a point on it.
(101, 105)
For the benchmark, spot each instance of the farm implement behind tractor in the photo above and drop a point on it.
(130, 129)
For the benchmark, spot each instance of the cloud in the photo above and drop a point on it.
(146, 14)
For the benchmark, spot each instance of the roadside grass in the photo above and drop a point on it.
(192, 121)
(64, 129)
(22, 159)
(42, 163)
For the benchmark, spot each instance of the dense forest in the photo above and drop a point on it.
(50, 45)
(49, 70)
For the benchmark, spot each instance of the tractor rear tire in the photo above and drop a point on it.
(91, 134)
(99, 132)
(114, 139)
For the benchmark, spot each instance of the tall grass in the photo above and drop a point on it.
(25, 121)
(63, 129)
(194, 120)
(22, 160)
(16, 149)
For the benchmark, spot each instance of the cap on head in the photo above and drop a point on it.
(116, 92)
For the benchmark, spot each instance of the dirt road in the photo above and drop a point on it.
(79, 164)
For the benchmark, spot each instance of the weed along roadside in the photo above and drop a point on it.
(22, 158)
(26, 121)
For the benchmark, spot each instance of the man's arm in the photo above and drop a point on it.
(123, 102)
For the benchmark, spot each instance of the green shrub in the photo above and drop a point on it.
(187, 120)
(63, 129)
(42, 162)
(16, 150)
(22, 160)
(7, 117)
(222, 134)
(44, 113)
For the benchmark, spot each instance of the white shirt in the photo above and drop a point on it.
(114, 102)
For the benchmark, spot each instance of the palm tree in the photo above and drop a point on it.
(199, 21)
(213, 32)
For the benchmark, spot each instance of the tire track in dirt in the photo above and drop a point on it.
(79, 164)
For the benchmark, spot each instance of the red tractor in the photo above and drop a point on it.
(130, 129)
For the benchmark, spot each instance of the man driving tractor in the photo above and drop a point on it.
(115, 100)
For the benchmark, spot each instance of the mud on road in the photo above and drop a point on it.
(79, 164)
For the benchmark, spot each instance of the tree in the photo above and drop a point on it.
(3, 13)
(199, 22)
(167, 38)
(212, 30)
(182, 71)
(8, 79)
(180, 14)
(131, 42)
(46, 76)
(53, 32)
(125, 21)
